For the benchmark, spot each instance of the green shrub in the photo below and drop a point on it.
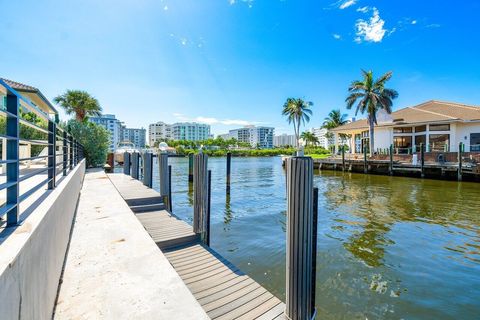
(94, 138)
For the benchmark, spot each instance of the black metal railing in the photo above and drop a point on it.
(35, 152)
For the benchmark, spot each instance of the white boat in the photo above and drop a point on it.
(124, 146)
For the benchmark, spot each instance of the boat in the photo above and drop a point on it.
(124, 146)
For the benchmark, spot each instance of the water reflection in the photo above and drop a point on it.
(388, 247)
(228, 212)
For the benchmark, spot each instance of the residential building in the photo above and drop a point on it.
(190, 131)
(284, 140)
(135, 136)
(325, 140)
(159, 131)
(439, 126)
(225, 136)
(113, 125)
(255, 136)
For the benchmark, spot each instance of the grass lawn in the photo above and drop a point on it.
(318, 156)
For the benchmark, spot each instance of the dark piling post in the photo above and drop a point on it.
(422, 160)
(164, 179)
(209, 203)
(365, 164)
(460, 151)
(135, 165)
(170, 206)
(126, 163)
(391, 160)
(343, 158)
(190, 167)
(301, 263)
(147, 169)
(200, 197)
(229, 164)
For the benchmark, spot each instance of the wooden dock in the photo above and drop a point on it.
(223, 290)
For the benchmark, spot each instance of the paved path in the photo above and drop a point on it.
(113, 269)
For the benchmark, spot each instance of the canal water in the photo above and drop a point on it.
(388, 247)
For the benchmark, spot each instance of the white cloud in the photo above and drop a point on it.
(165, 8)
(337, 36)
(363, 9)
(433, 25)
(347, 4)
(249, 3)
(414, 21)
(372, 30)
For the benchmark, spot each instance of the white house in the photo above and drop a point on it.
(438, 125)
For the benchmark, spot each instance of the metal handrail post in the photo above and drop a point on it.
(52, 166)
(13, 168)
(65, 150)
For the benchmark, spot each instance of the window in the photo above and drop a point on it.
(402, 130)
(439, 142)
(439, 127)
(474, 142)
(403, 144)
(420, 139)
(421, 128)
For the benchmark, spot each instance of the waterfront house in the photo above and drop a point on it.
(439, 126)
(40, 104)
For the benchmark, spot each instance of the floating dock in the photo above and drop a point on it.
(223, 291)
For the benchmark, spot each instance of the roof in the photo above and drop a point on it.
(430, 111)
(26, 88)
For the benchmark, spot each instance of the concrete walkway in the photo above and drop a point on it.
(113, 269)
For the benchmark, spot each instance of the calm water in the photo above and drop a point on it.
(388, 247)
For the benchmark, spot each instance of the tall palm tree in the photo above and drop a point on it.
(297, 112)
(80, 103)
(335, 119)
(309, 137)
(372, 96)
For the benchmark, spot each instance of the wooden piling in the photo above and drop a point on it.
(135, 165)
(459, 170)
(200, 197)
(390, 168)
(126, 163)
(190, 167)
(300, 237)
(229, 161)
(209, 207)
(343, 158)
(169, 204)
(365, 163)
(164, 184)
(147, 169)
(422, 160)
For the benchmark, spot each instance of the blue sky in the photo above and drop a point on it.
(234, 62)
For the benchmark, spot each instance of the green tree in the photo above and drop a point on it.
(80, 103)
(93, 138)
(372, 96)
(335, 119)
(297, 112)
(309, 137)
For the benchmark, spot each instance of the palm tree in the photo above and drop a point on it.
(297, 112)
(372, 96)
(335, 119)
(309, 137)
(80, 103)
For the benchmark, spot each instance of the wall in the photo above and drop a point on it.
(464, 129)
(383, 138)
(32, 256)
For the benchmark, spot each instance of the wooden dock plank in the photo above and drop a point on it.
(223, 290)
